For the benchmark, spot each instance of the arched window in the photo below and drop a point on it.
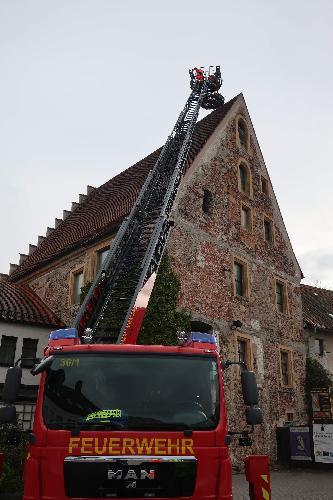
(242, 133)
(244, 179)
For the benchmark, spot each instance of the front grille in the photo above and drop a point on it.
(140, 476)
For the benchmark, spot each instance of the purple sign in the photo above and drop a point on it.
(300, 448)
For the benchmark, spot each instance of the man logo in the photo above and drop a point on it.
(131, 485)
(131, 474)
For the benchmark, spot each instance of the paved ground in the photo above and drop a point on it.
(300, 484)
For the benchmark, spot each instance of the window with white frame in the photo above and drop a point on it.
(25, 414)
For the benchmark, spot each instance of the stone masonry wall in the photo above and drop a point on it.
(202, 248)
(54, 285)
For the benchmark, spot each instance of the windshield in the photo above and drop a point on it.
(131, 391)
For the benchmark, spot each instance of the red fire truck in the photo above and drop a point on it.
(130, 421)
(116, 419)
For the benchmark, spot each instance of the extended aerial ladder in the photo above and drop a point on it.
(136, 252)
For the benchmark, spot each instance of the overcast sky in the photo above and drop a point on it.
(89, 87)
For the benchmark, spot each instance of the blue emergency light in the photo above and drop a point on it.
(64, 333)
(205, 338)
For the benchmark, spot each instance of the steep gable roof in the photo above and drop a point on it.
(317, 307)
(19, 304)
(105, 208)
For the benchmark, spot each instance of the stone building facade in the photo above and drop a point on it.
(229, 247)
(215, 242)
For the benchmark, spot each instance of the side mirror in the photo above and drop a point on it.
(8, 414)
(249, 388)
(12, 384)
(41, 367)
(253, 415)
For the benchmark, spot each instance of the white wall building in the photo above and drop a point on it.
(25, 324)
(318, 324)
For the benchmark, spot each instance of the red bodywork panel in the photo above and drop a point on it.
(44, 468)
(132, 330)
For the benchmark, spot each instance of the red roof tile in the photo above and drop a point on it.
(19, 304)
(317, 307)
(104, 209)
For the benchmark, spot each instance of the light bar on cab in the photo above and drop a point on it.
(64, 333)
(204, 338)
(200, 340)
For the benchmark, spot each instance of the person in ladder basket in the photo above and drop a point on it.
(199, 74)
